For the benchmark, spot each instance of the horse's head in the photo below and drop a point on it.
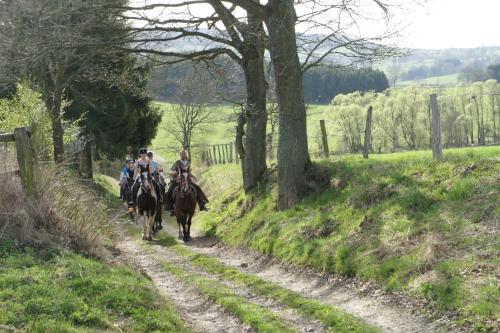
(146, 184)
(183, 180)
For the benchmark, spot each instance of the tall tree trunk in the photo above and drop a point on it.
(53, 105)
(293, 154)
(483, 128)
(88, 155)
(240, 132)
(86, 167)
(254, 161)
(479, 131)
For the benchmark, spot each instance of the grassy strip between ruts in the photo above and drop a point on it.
(64, 292)
(333, 319)
(260, 319)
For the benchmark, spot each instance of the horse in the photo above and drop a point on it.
(159, 207)
(127, 192)
(146, 206)
(185, 204)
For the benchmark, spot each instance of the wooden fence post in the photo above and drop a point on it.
(326, 151)
(220, 156)
(236, 154)
(25, 159)
(437, 152)
(215, 155)
(368, 131)
(231, 152)
(203, 159)
(226, 146)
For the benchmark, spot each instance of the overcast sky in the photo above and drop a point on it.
(455, 23)
(437, 24)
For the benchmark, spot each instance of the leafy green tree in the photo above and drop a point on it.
(54, 43)
(26, 108)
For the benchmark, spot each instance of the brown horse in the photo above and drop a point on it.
(185, 204)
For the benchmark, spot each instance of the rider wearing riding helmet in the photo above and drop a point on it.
(127, 173)
(184, 164)
(143, 164)
(156, 173)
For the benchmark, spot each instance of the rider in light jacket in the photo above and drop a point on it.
(156, 173)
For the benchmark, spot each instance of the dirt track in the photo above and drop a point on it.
(202, 315)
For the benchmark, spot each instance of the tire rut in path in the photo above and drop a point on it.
(198, 313)
(287, 315)
(384, 316)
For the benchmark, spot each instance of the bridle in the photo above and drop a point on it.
(183, 180)
(146, 184)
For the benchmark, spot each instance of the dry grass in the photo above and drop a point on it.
(67, 213)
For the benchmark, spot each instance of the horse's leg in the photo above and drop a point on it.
(184, 231)
(179, 235)
(158, 218)
(189, 227)
(151, 221)
(144, 220)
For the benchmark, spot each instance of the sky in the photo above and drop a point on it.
(436, 24)
(454, 23)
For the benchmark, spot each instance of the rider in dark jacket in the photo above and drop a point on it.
(127, 173)
(184, 164)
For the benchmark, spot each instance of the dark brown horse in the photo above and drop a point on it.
(160, 200)
(127, 195)
(185, 204)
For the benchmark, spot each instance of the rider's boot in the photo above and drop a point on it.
(202, 205)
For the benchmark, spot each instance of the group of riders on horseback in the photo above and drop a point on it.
(145, 166)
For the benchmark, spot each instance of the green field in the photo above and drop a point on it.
(402, 220)
(222, 130)
(444, 80)
(219, 131)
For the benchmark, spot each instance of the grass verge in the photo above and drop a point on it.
(413, 225)
(53, 291)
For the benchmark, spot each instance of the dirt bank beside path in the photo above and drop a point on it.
(376, 308)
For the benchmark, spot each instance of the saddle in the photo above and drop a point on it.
(175, 191)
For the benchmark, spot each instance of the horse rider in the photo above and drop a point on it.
(143, 164)
(156, 173)
(184, 164)
(127, 173)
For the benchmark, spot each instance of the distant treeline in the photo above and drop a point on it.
(322, 85)
(441, 67)
(224, 80)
